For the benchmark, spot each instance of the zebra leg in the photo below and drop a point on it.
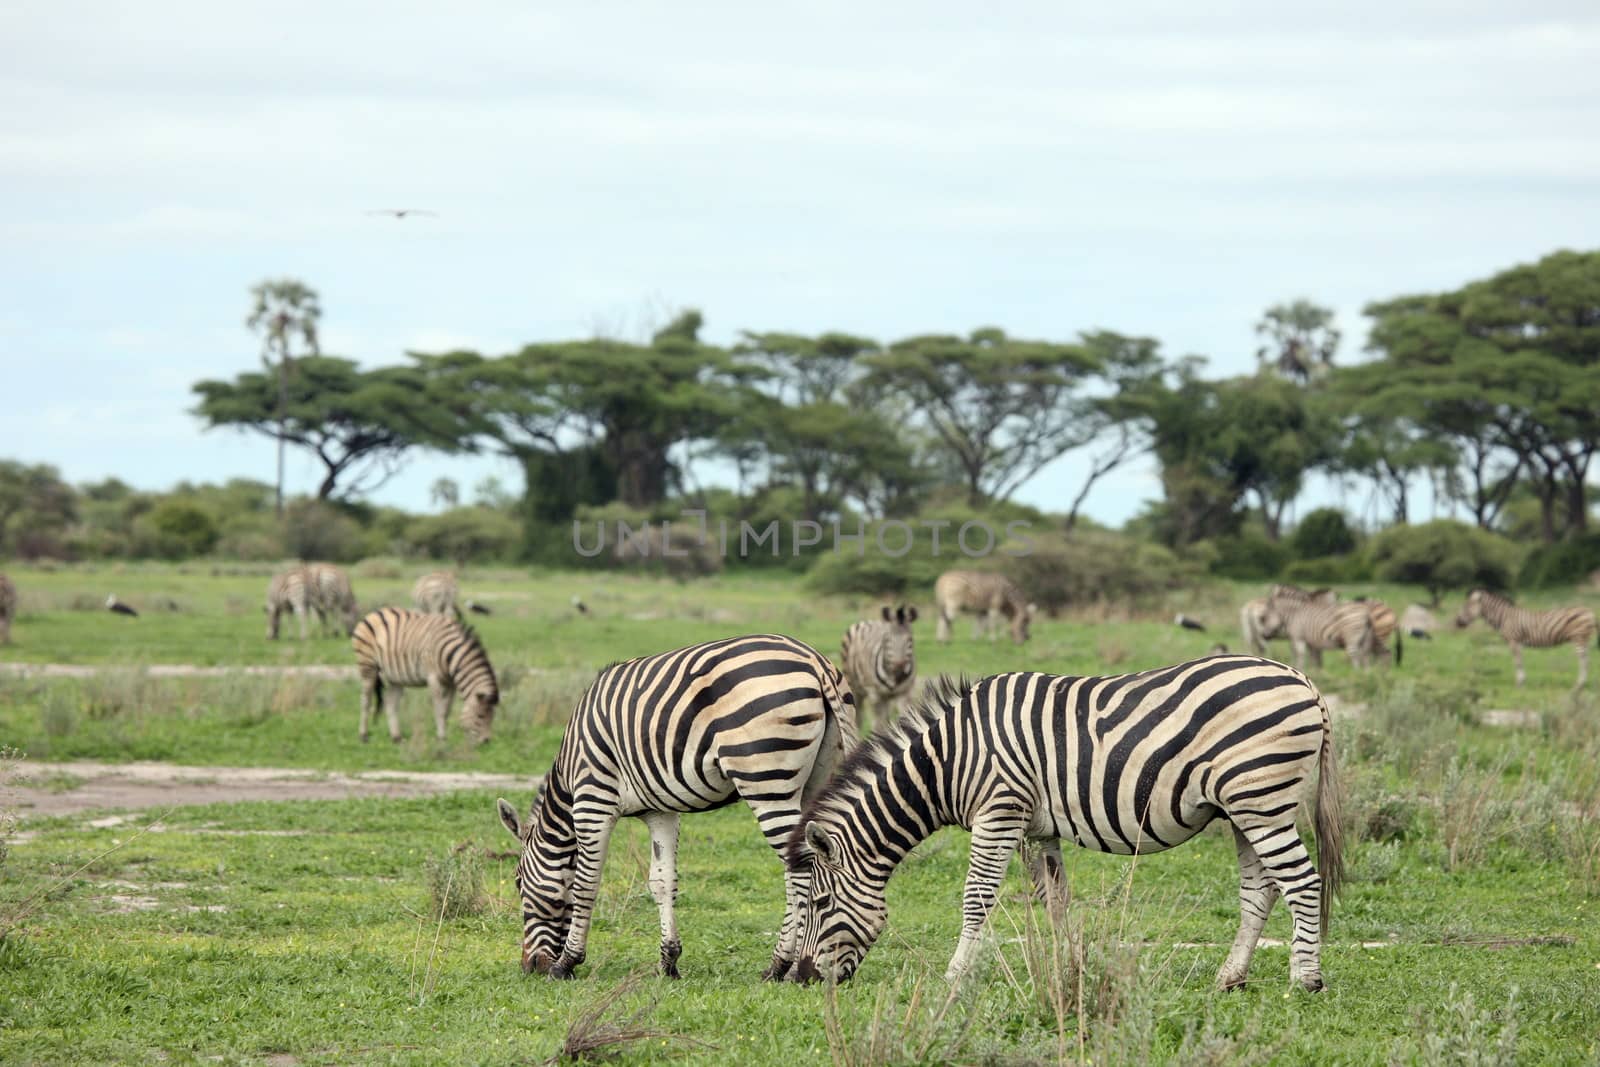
(1257, 892)
(663, 827)
(942, 630)
(300, 617)
(995, 836)
(1043, 860)
(391, 710)
(1516, 657)
(1284, 857)
(442, 695)
(993, 625)
(368, 698)
(594, 837)
(1583, 665)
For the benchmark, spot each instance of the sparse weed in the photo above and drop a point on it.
(1463, 1035)
(456, 882)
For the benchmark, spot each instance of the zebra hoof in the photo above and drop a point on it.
(778, 971)
(363, 738)
(1312, 983)
(560, 972)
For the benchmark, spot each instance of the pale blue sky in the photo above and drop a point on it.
(885, 170)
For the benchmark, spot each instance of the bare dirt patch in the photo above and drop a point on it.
(134, 786)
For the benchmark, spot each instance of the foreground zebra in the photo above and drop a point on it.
(763, 718)
(396, 648)
(880, 661)
(8, 607)
(436, 594)
(1536, 629)
(1128, 764)
(1314, 627)
(1258, 625)
(986, 595)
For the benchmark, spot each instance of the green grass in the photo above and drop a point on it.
(211, 939)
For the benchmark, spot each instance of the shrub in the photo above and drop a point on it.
(176, 529)
(1322, 533)
(463, 535)
(1330, 570)
(1563, 563)
(1249, 556)
(1090, 566)
(313, 529)
(1442, 555)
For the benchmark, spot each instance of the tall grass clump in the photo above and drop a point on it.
(1481, 816)
(1461, 1034)
(456, 882)
(602, 1029)
(9, 776)
(912, 1020)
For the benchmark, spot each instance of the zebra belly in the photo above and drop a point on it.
(1101, 834)
(404, 679)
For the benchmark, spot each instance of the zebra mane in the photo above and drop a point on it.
(1493, 597)
(938, 697)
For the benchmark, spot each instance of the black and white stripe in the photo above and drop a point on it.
(8, 607)
(289, 590)
(436, 594)
(332, 595)
(985, 594)
(396, 649)
(1258, 625)
(763, 718)
(1128, 764)
(1535, 629)
(1314, 627)
(880, 660)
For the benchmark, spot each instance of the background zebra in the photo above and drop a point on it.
(880, 661)
(986, 595)
(1128, 764)
(1536, 629)
(1384, 626)
(1258, 625)
(1314, 627)
(763, 718)
(332, 595)
(436, 594)
(396, 648)
(289, 590)
(8, 607)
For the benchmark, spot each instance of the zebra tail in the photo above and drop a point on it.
(1329, 823)
(844, 711)
(1399, 646)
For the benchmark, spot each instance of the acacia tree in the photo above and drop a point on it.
(285, 312)
(359, 424)
(1001, 407)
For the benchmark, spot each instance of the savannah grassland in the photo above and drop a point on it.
(311, 932)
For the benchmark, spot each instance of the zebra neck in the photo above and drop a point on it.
(902, 795)
(1494, 611)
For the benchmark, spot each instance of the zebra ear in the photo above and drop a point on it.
(508, 816)
(888, 613)
(910, 614)
(821, 844)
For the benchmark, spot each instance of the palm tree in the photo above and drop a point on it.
(285, 309)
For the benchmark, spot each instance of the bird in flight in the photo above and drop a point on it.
(402, 212)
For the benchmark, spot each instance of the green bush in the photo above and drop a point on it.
(314, 529)
(1563, 563)
(1249, 556)
(1442, 555)
(1322, 533)
(465, 535)
(1330, 570)
(1089, 566)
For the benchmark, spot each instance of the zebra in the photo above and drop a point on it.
(1127, 764)
(436, 594)
(1313, 627)
(880, 662)
(1536, 629)
(1258, 626)
(762, 718)
(1384, 626)
(332, 595)
(986, 595)
(8, 607)
(289, 590)
(396, 648)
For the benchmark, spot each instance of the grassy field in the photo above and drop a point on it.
(311, 932)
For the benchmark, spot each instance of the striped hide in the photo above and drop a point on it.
(1313, 628)
(289, 591)
(1534, 629)
(987, 595)
(1258, 626)
(763, 719)
(1129, 764)
(436, 594)
(333, 596)
(880, 662)
(397, 649)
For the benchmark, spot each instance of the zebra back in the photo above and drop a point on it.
(1526, 626)
(436, 594)
(978, 592)
(401, 647)
(330, 590)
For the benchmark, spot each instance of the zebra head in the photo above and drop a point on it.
(1022, 622)
(897, 655)
(1472, 609)
(477, 712)
(847, 909)
(544, 879)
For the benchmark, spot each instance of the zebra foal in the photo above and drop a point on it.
(764, 719)
(1127, 764)
(1535, 629)
(987, 595)
(396, 648)
(880, 661)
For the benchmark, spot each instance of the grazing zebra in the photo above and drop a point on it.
(1536, 629)
(396, 648)
(1128, 764)
(8, 607)
(986, 595)
(1384, 626)
(763, 718)
(289, 590)
(1313, 627)
(1258, 625)
(332, 595)
(436, 593)
(880, 661)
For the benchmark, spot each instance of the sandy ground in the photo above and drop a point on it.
(72, 787)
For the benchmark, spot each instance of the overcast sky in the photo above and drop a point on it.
(884, 169)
